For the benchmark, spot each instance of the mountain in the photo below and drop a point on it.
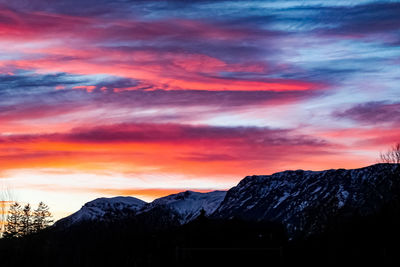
(187, 205)
(305, 201)
(183, 207)
(332, 217)
(103, 209)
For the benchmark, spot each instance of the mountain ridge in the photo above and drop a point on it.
(184, 206)
(102, 209)
(188, 204)
(303, 201)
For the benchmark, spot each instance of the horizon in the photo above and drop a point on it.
(226, 190)
(59, 216)
(151, 98)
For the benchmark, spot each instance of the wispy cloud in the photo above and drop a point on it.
(185, 90)
(373, 113)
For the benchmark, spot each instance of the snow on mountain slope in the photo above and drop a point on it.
(102, 209)
(305, 200)
(188, 204)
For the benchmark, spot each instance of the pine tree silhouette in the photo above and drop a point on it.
(26, 220)
(41, 217)
(13, 224)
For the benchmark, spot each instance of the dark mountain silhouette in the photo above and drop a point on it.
(305, 201)
(292, 217)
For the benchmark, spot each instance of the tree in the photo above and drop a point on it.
(392, 155)
(26, 220)
(6, 197)
(13, 224)
(41, 217)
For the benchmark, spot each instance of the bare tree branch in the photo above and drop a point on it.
(391, 156)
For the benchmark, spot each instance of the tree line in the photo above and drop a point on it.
(22, 221)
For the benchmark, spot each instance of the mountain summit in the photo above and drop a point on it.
(304, 201)
(184, 207)
(187, 205)
(102, 209)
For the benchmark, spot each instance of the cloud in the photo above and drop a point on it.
(174, 134)
(372, 18)
(19, 82)
(128, 95)
(203, 157)
(167, 148)
(28, 83)
(36, 99)
(373, 113)
(165, 53)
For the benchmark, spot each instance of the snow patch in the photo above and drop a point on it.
(281, 199)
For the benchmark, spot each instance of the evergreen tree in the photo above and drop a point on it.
(41, 217)
(13, 224)
(26, 220)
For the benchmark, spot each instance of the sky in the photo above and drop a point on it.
(148, 98)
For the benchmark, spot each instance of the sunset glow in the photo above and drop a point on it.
(149, 98)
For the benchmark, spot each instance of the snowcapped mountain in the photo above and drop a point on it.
(184, 207)
(187, 205)
(304, 201)
(102, 209)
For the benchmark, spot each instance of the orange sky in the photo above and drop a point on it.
(147, 99)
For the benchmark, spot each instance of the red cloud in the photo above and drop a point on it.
(82, 45)
(174, 148)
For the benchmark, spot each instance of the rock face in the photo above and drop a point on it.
(304, 201)
(187, 205)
